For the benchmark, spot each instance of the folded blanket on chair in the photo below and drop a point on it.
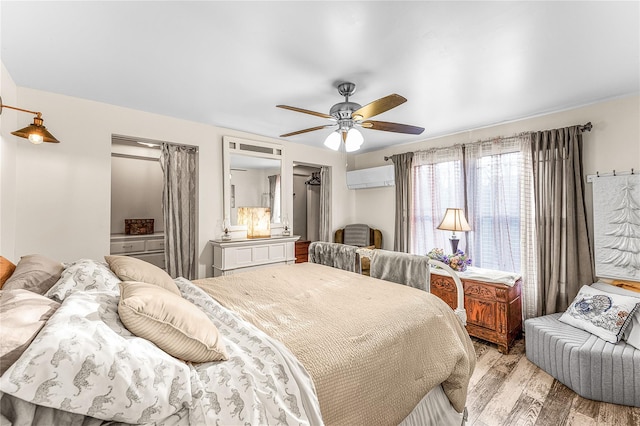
(356, 235)
(336, 255)
(401, 268)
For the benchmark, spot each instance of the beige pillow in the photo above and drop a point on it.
(132, 269)
(22, 314)
(6, 269)
(174, 324)
(35, 273)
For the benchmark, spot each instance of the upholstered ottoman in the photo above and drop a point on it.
(592, 367)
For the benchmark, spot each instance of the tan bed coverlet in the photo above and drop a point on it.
(373, 348)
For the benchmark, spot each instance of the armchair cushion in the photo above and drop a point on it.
(375, 237)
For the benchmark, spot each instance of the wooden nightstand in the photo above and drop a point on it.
(494, 311)
(302, 251)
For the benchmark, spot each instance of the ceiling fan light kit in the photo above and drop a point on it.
(349, 115)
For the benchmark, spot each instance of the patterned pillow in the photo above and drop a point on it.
(604, 314)
(132, 269)
(84, 275)
(176, 325)
(35, 273)
(6, 269)
(632, 332)
(85, 361)
(22, 314)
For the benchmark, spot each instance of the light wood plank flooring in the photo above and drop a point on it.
(510, 390)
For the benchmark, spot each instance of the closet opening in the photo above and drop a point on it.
(152, 181)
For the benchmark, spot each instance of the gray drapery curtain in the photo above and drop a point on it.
(179, 209)
(402, 173)
(325, 204)
(563, 252)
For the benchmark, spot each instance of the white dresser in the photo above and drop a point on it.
(148, 247)
(239, 255)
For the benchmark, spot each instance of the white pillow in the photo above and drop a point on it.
(604, 314)
(632, 332)
(84, 275)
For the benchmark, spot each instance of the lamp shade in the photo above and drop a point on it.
(36, 132)
(454, 220)
(257, 220)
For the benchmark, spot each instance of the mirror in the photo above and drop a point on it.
(252, 177)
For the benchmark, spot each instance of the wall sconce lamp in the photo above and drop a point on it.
(454, 220)
(36, 132)
(257, 220)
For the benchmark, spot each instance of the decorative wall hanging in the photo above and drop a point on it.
(616, 225)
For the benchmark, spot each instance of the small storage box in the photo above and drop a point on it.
(138, 226)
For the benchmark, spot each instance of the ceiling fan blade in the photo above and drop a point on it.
(306, 111)
(378, 107)
(392, 127)
(311, 129)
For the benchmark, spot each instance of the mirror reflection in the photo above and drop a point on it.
(255, 182)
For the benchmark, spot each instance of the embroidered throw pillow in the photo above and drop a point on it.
(603, 314)
(632, 332)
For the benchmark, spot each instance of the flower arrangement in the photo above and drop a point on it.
(457, 261)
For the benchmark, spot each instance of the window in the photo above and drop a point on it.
(491, 181)
(494, 212)
(437, 184)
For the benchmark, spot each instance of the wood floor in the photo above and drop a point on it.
(510, 390)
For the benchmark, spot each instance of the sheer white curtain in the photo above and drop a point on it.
(493, 196)
(438, 183)
(496, 179)
(528, 240)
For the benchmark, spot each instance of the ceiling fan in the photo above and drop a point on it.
(349, 115)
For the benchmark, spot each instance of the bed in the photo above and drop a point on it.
(305, 344)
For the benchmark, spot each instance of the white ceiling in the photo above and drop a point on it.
(461, 65)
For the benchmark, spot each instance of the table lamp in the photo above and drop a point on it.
(454, 220)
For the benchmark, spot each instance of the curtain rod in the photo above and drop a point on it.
(583, 128)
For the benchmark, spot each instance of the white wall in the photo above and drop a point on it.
(64, 191)
(136, 192)
(614, 143)
(8, 124)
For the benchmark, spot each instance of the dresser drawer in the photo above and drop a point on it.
(154, 245)
(127, 246)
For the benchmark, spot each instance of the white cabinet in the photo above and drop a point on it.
(244, 254)
(149, 248)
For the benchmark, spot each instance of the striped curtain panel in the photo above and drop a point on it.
(564, 250)
(179, 209)
(402, 172)
(325, 205)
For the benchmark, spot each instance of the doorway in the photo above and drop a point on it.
(306, 201)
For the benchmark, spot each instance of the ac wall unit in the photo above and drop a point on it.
(371, 178)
